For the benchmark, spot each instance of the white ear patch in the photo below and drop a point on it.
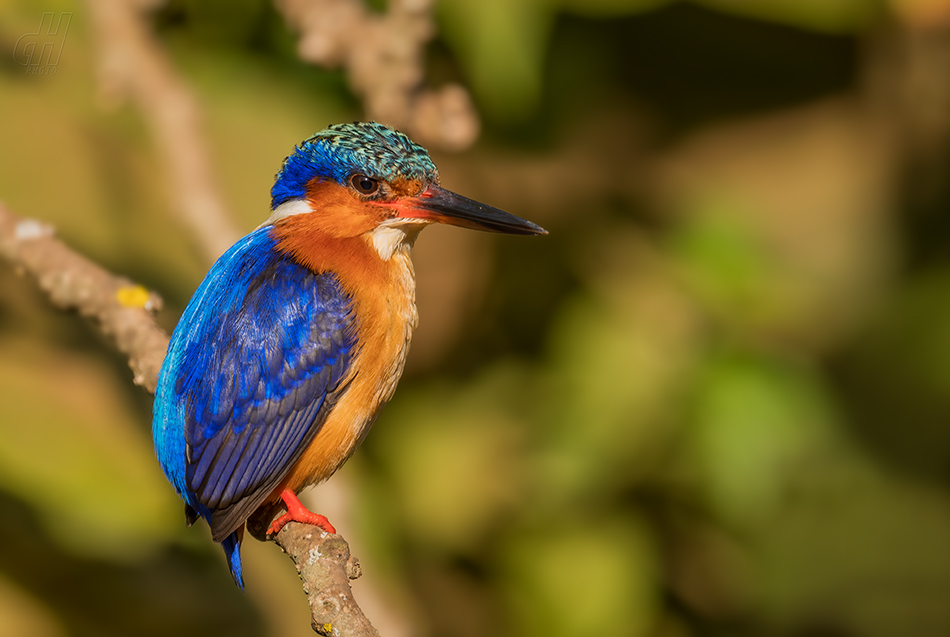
(288, 209)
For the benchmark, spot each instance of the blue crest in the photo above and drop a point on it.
(343, 150)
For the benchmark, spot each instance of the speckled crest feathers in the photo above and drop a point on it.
(342, 150)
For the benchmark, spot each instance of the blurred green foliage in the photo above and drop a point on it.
(714, 401)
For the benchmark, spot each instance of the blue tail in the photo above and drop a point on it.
(232, 550)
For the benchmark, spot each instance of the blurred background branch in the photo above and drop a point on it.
(132, 64)
(121, 309)
(383, 55)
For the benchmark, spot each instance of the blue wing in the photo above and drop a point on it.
(256, 363)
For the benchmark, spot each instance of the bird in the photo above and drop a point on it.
(298, 334)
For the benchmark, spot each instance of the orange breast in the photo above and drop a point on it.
(383, 294)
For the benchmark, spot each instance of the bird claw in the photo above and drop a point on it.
(297, 512)
(314, 518)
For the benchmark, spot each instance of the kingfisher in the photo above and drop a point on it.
(298, 334)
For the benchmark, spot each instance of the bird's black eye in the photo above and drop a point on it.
(364, 185)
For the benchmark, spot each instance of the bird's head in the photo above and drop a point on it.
(360, 178)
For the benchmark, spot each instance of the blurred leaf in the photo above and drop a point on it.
(726, 265)
(611, 8)
(453, 454)
(585, 577)
(619, 359)
(70, 449)
(758, 421)
(923, 13)
(501, 45)
(898, 371)
(820, 15)
(858, 552)
(21, 614)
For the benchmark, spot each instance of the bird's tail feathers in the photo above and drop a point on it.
(232, 550)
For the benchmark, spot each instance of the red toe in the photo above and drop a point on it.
(297, 512)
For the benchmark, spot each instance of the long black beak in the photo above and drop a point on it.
(444, 206)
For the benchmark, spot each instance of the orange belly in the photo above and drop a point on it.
(386, 313)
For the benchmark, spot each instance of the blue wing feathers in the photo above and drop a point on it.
(253, 367)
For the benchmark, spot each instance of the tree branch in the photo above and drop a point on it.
(124, 312)
(132, 64)
(326, 568)
(383, 56)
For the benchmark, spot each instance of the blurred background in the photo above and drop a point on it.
(713, 401)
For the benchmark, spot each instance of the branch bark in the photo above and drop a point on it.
(326, 568)
(124, 312)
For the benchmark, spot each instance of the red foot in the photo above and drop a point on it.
(297, 512)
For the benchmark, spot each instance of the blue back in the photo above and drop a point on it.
(253, 367)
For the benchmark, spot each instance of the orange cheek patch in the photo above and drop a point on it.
(338, 213)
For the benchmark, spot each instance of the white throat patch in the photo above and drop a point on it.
(393, 236)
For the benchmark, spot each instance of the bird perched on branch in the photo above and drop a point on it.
(298, 335)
